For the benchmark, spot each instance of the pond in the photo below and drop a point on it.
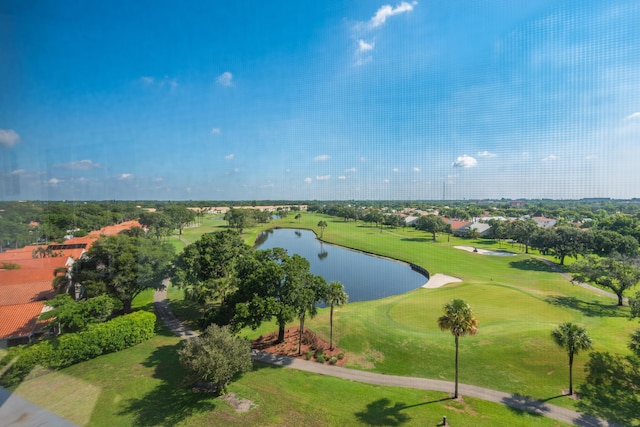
(365, 277)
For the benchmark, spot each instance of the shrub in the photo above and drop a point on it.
(308, 355)
(340, 356)
(320, 358)
(333, 360)
(66, 350)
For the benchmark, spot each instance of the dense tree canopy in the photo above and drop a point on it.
(122, 266)
(618, 275)
(207, 269)
(431, 224)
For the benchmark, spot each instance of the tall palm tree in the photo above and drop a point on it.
(459, 319)
(62, 280)
(572, 338)
(322, 225)
(336, 297)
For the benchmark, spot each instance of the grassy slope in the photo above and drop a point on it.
(518, 301)
(143, 386)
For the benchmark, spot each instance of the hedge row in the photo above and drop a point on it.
(115, 335)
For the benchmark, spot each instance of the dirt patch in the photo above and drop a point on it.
(311, 348)
(240, 405)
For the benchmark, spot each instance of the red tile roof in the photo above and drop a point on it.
(26, 292)
(19, 320)
(33, 270)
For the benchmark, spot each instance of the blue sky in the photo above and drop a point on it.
(320, 100)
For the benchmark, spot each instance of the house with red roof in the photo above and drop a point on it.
(25, 290)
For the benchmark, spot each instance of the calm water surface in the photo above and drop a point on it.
(364, 277)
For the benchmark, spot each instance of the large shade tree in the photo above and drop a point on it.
(458, 318)
(270, 283)
(122, 267)
(618, 275)
(207, 269)
(431, 224)
(572, 338)
(335, 297)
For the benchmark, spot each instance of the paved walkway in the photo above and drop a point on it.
(514, 401)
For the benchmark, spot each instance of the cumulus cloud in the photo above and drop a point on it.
(308, 180)
(81, 165)
(634, 116)
(396, 170)
(323, 177)
(387, 11)
(386, 181)
(125, 176)
(416, 169)
(363, 46)
(9, 137)
(550, 158)
(486, 154)
(216, 131)
(465, 161)
(165, 81)
(350, 170)
(229, 156)
(225, 79)
(342, 177)
(321, 158)
(54, 181)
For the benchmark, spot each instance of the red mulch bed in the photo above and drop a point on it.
(289, 347)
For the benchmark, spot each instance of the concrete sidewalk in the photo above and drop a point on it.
(18, 412)
(512, 400)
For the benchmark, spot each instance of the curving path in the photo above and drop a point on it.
(512, 400)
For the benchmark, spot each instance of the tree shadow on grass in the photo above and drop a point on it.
(590, 309)
(382, 413)
(172, 400)
(531, 265)
(611, 389)
(417, 239)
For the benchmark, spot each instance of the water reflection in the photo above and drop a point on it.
(364, 277)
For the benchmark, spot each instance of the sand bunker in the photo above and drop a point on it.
(438, 280)
(484, 251)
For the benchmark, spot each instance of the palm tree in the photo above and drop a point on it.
(459, 319)
(572, 338)
(322, 225)
(62, 280)
(336, 297)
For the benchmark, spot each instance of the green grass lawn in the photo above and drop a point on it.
(143, 386)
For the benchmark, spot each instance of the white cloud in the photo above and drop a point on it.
(308, 180)
(386, 181)
(125, 176)
(321, 158)
(216, 131)
(550, 158)
(386, 11)
(486, 154)
(229, 156)
(465, 161)
(165, 81)
(363, 46)
(225, 79)
(590, 157)
(236, 170)
(54, 181)
(9, 137)
(81, 165)
(634, 116)
(416, 169)
(342, 177)
(323, 177)
(396, 170)
(17, 172)
(350, 170)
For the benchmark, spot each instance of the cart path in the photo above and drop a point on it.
(514, 401)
